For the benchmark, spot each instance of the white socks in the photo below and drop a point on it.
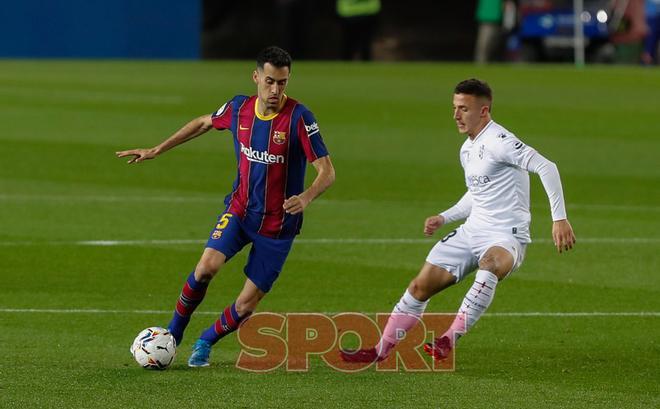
(408, 311)
(405, 315)
(475, 303)
(410, 305)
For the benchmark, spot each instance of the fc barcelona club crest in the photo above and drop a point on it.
(279, 137)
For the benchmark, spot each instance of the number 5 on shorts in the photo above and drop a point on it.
(224, 221)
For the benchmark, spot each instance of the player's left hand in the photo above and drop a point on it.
(295, 204)
(562, 235)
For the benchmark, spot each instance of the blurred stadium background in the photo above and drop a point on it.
(93, 250)
(521, 30)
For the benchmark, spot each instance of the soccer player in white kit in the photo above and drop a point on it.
(493, 238)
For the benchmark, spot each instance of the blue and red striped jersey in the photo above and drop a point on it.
(272, 154)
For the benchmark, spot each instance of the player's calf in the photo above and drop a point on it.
(474, 305)
(228, 322)
(191, 296)
(430, 281)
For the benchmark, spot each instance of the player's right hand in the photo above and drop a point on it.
(432, 224)
(138, 155)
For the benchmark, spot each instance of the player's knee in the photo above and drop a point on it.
(499, 265)
(419, 290)
(206, 270)
(430, 280)
(245, 307)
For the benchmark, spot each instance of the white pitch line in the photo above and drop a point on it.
(109, 198)
(613, 240)
(576, 314)
(494, 314)
(86, 311)
(157, 242)
(216, 199)
(92, 96)
(615, 207)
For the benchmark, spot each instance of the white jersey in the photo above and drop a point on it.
(496, 165)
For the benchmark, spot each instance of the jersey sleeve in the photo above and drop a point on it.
(460, 210)
(310, 137)
(513, 151)
(551, 183)
(221, 118)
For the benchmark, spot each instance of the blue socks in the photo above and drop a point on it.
(228, 322)
(191, 296)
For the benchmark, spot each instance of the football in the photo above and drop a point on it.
(154, 348)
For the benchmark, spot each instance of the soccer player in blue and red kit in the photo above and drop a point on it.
(274, 138)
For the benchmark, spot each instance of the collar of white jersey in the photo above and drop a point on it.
(482, 132)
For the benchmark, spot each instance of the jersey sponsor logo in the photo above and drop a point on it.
(220, 110)
(260, 156)
(474, 181)
(279, 137)
(312, 129)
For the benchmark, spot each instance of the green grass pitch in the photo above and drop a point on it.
(395, 149)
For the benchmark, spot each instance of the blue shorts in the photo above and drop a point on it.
(266, 258)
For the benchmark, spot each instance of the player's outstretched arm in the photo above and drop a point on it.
(325, 177)
(192, 129)
(562, 232)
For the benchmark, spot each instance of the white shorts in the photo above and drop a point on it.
(459, 252)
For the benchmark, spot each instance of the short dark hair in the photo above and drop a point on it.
(474, 87)
(274, 55)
